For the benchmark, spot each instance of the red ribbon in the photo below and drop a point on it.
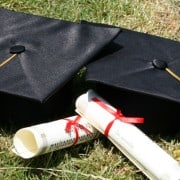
(117, 116)
(76, 125)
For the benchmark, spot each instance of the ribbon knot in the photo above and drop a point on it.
(74, 123)
(117, 116)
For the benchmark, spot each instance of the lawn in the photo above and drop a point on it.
(98, 159)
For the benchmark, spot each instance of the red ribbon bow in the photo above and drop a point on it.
(76, 125)
(117, 116)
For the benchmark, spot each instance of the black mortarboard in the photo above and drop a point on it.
(137, 76)
(38, 58)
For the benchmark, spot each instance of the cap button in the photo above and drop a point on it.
(159, 64)
(17, 49)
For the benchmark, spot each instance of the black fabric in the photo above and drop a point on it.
(55, 50)
(133, 78)
(18, 112)
(49, 53)
(160, 115)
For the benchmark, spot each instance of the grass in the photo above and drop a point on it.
(98, 159)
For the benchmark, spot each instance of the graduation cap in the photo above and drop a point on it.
(141, 76)
(38, 58)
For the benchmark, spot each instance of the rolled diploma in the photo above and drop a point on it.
(47, 137)
(154, 162)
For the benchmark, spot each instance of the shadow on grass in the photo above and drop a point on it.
(58, 161)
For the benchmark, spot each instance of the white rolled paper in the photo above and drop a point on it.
(47, 137)
(152, 160)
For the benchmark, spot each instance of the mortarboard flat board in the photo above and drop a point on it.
(138, 78)
(38, 58)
